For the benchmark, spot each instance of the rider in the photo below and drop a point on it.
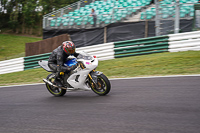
(58, 58)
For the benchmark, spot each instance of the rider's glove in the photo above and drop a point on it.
(73, 67)
(59, 70)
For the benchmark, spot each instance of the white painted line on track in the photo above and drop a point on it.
(21, 85)
(115, 79)
(168, 76)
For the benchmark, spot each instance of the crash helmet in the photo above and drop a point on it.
(68, 47)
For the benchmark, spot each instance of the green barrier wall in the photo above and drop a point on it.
(141, 46)
(31, 62)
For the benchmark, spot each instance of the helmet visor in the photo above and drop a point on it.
(70, 51)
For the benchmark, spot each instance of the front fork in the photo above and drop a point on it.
(93, 77)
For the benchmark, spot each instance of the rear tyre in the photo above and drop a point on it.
(53, 90)
(103, 85)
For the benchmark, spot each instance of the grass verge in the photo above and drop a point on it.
(12, 46)
(136, 66)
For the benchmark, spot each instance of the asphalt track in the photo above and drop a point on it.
(145, 105)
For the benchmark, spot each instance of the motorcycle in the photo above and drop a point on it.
(83, 77)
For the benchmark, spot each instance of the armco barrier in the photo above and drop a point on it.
(31, 62)
(172, 43)
(102, 51)
(13, 65)
(141, 46)
(184, 41)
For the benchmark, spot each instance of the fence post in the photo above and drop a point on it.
(105, 34)
(157, 25)
(177, 17)
(78, 5)
(146, 28)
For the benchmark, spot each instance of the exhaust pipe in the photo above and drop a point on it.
(48, 82)
(68, 89)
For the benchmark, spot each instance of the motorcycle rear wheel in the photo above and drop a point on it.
(53, 90)
(103, 85)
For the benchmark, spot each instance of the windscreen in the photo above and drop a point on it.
(84, 56)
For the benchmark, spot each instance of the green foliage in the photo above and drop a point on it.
(22, 14)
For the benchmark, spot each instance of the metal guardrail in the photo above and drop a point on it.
(31, 62)
(102, 51)
(184, 41)
(65, 10)
(141, 46)
(170, 43)
(12, 65)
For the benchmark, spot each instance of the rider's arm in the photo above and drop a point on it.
(59, 62)
(76, 54)
(60, 59)
(60, 67)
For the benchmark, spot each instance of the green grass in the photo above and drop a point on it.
(136, 66)
(154, 65)
(12, 46)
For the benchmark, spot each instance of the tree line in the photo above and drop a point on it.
(23, 16)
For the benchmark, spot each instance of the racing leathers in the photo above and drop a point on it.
(56, 63)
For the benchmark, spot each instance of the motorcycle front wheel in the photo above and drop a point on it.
(53, 90)
(103, 85)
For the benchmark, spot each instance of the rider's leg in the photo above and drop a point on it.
(57, 74)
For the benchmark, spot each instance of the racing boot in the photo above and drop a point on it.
(58, 83)
(57, 80)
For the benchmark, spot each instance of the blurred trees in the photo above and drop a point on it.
(22, 16)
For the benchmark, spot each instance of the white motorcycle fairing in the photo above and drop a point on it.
(78, 79)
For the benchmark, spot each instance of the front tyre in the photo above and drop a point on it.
(103, 85)
(53, 90)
